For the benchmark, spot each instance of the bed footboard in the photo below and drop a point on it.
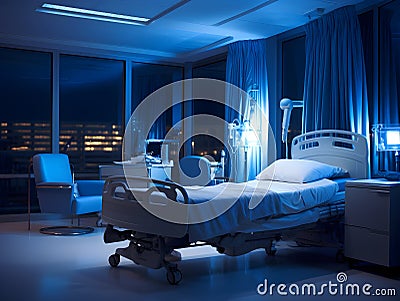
(134, 208)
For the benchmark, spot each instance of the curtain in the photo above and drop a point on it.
(246, 68)
(148, 78)
(383, 106)
(386, 108)
(144, 85)
(335, 91)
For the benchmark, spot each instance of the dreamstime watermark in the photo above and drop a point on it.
(340, 287)
(176, 95)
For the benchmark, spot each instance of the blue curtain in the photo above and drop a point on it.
(246, 68)
(335, 90)
(148, 78)
(386, 107)
(383, 106)
(143, 87)
(388, 111)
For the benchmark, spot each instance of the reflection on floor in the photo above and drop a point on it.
(43, 267)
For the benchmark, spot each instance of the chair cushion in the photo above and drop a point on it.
(87, 204)
(90, 187)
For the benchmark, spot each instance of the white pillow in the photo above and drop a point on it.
(299, 171)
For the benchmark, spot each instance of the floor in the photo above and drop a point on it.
(44, 267)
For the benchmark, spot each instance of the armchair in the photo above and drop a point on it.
(198, 170)
(57, 192)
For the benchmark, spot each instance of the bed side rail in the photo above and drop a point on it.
(142, 187)
(144, 205)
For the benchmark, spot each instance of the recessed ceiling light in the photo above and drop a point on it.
(91, 14)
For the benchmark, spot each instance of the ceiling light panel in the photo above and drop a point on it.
(93, 12)
(83, 13)
(102, 13)
(139, 8)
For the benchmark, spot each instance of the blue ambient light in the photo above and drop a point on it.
(91, 14)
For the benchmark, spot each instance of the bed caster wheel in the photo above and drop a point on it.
(174, 276)
(114, 260)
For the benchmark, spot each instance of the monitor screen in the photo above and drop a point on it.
(393, 138)
(153, 148)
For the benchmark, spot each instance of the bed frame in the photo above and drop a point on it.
(154, 246)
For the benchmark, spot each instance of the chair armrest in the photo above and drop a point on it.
(90, 187)
(54, 185)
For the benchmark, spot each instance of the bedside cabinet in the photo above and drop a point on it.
(372, 221)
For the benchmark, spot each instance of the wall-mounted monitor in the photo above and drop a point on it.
(387, 138)
(153, 147)
(393, 138)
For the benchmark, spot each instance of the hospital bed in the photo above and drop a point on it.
(300, 199)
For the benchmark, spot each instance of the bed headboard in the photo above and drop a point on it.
(335, 147)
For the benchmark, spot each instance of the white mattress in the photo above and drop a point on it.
(246, 206)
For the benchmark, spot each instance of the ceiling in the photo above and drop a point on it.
(179, 30)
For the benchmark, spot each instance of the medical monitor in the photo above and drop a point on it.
(153, 147)
(387, 138)
(393, 139)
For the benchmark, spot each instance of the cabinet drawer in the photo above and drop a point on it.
(369, 208)
(364, 244)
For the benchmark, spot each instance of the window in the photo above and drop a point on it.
(25, 126)
(207, 144)
(148, 78)
(293, 68)
(91, 110)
